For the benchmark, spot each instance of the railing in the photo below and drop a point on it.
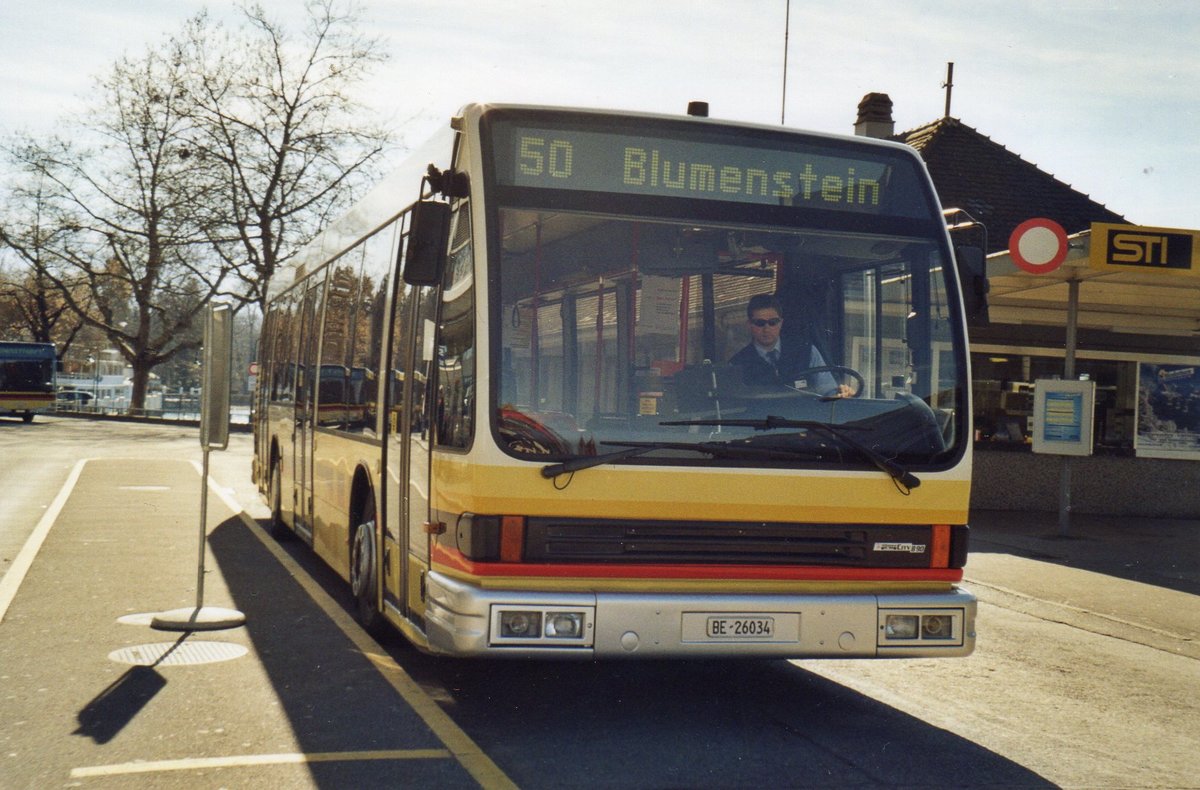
(185, 409)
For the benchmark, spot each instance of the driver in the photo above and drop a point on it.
(767, 360)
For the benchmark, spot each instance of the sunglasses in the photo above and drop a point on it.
(761, 322)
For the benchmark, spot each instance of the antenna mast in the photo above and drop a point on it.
(787, 20)
(949, 86)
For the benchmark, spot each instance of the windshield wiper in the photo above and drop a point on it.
(840, 433)
(633, 449)
(588, 461)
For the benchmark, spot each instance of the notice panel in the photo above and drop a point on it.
(1062, 416)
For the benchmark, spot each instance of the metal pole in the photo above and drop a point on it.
(787, 22)
(214, 433)
(1064, 485)
(203, 532)
(949, 86)
(1072, 327)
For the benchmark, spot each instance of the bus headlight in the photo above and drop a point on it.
(548, 625)
(564, 625)
(901, 626)
(520, 625)
(937, 626)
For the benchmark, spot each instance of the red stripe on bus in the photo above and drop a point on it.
(455, 561)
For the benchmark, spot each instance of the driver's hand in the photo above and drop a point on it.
(844, 391)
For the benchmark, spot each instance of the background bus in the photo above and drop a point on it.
(548, 452)
(27, 372)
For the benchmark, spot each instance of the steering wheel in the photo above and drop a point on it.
(837, 369)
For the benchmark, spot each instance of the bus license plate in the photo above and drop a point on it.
(740, 627)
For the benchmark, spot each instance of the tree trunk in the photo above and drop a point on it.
(141, 381)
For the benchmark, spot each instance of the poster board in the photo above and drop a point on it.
(1063, 414)
(1168, 412)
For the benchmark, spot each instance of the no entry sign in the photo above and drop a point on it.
(1038, 245)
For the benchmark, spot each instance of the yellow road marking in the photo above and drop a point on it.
(246, 760)
(468, 754)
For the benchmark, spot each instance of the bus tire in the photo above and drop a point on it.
(279, 530)
(362, 570)
(28, 418)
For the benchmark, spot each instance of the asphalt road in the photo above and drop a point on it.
(1086, 673)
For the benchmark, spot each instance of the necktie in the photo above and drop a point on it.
(773, 357)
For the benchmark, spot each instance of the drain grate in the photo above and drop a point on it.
(167, 654)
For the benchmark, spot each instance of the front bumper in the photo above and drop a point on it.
(462, 619)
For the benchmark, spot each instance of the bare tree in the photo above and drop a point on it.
(291, 146)
(199, 169)
(30, 227)
(135, 241)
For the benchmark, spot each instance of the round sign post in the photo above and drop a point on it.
(1038, 245)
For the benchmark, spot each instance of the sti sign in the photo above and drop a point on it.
(1135, 248)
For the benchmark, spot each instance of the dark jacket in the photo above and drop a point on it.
(795, 357)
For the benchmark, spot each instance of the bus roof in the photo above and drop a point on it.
(386, 200)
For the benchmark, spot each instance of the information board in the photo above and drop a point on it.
(1063, 413)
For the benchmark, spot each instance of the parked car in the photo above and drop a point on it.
(74, 397)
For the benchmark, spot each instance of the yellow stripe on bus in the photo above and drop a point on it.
(720, 495)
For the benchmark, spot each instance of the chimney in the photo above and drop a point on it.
(875, 117)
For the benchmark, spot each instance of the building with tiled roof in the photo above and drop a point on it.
(1128, 329)
(996, 186)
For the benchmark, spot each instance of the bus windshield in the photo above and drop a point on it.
(701, 301)
(27, 368)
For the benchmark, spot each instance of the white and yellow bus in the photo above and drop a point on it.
(497, 396)
(27, 378)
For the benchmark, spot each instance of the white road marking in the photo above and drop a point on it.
(24, 561)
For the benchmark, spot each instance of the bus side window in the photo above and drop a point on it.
(456, 345)
(283, 373)
(371, 318)
(337, 338)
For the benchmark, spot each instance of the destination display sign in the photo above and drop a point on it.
(27, 351)
(1144, 249)
(790, 174)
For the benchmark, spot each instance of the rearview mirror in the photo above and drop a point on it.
(428, 235)
(971, 264)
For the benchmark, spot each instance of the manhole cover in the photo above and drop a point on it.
(166, 654)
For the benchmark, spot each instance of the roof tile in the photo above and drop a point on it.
(996, 186)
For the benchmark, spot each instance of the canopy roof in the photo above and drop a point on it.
(1153, 303)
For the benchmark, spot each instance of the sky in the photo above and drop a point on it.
(1104, 94)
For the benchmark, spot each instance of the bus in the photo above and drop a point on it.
(497, 398)
(27, 378)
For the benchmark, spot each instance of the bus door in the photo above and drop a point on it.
(421, 441)
(394, 537)
(305, 414)
(405, 542)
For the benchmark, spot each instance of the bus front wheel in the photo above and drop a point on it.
(362, 570)
(279, 530)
